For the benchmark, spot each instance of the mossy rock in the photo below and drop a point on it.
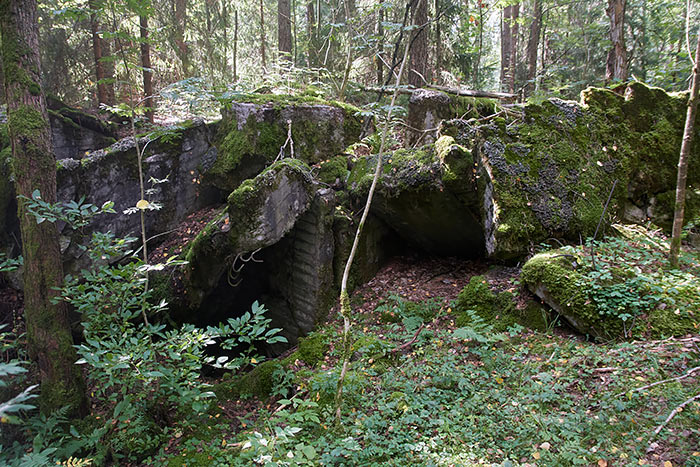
(496, 309)
(258, 382)
(553, 276)
(334, 171)
(421, 198)
(205, 256)
(549, 173)
(255, 128)
(261, 380)
(313, 348)
(263, 209)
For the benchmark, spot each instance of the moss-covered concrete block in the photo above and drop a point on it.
(254, 129)
(549, 172)
(557, 279)
(427, 195)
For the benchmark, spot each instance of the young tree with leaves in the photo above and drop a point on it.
(49, 339)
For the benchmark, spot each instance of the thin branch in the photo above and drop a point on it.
(677, 378)
(406, 345)
(673, 414)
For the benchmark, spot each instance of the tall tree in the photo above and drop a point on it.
(284, 29)
(48, 332)
(418, 66)
(179, 28)
(262, 34)
(379, 32)
(104, 69)
(616, 65)
(438, 41)
(146, 68)
(509, 46)
(679, 211)
(532, 43)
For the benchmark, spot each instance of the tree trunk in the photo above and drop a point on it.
(48, 332)
(149, 100)
(104, 72)
(509, 46)
(438, 42)
(181, 49)
(532, 43)
(479, 50)
(235, 45)
(679, 211)
(378, 60)
(418, 70)
(284, 29)
(616, 66)
(262, 34)
(312, 52)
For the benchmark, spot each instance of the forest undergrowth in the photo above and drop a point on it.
(430, 383)
(423, 391)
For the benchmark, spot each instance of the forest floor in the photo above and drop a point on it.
(423, 391)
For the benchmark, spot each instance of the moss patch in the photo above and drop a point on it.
(549, 172)
(496, 309)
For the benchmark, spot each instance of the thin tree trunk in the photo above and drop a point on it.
(49, 339)
(180, 27)
(480, 46)
(379, 59)
(312, 53)
(438, 42)
(149, 100)
(509, 39)
(345, 308)
(224, 14)
(679, 212)
(105, 88)
(294, 32)
(418, 70)
(532, 43)
(235, 45)
(348, 58)
(284, 29)
(262, 35)
(616, 65)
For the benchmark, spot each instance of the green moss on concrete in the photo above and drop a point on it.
(313, 348)
(553, 275)
(255, 130)
(550, 171)
(569, 290)
(333, 170)
(250, 192)
(496, 309)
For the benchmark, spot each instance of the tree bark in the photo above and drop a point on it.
(49, 339)
(616, 65)
(438, 42)
(149, 100)
(312, 52)
(509, 41)
(104, 72)
(679, 211)
(262, 34)
(181, 49)
(235, 45)
(418, 70)
(284, 29)
(480, 47)
(378, 59)
(532, 43)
